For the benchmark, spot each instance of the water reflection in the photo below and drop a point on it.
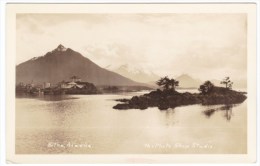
(228, 111)
(92, 120)
(209, 112)
(47, 97)
(169, 116)
(62, 113)
(227, 108)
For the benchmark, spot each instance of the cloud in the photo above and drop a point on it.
(203, 45)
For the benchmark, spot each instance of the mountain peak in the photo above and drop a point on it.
(187, 81)
(61, 48)
(136, 73)
(184, 76)
(59, 65)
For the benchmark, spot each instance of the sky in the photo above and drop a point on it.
(205, 46)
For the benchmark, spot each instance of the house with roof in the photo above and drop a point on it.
(76, 86)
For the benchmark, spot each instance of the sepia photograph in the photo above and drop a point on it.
(120, 83)
(103, 88)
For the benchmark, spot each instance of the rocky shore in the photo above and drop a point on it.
(164, 99)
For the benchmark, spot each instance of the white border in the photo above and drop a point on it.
(2, 82)
(2, 51)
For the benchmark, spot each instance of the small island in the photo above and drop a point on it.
(168, 97)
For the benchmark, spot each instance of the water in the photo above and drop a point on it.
(87, 124)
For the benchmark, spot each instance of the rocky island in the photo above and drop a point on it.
(170, 98)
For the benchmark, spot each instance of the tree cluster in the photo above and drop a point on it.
(226, 81)
(171, 84)
(206, 87)
(167, 83)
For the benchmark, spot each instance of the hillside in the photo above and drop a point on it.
(62, 63)
(135, 73)
(186, 81)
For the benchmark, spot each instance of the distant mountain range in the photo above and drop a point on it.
(134, 73)
(186, 81)
(62, 63)
(237, 83)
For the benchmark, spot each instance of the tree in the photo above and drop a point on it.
(173, 83)
(167, 83)
(226, 81)
(74, 78)
(206, 87)
(163, 82)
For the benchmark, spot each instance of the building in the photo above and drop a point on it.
(74, 83)
(67, 85)
(77, 87)
(46, 85)
(75, 79)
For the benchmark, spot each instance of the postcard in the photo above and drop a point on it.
(131, 83)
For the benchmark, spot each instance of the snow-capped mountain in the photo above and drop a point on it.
(137, 74)
(61, 48)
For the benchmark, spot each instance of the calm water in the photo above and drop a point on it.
(85, 124)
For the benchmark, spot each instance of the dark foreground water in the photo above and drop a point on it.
(85, 124)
